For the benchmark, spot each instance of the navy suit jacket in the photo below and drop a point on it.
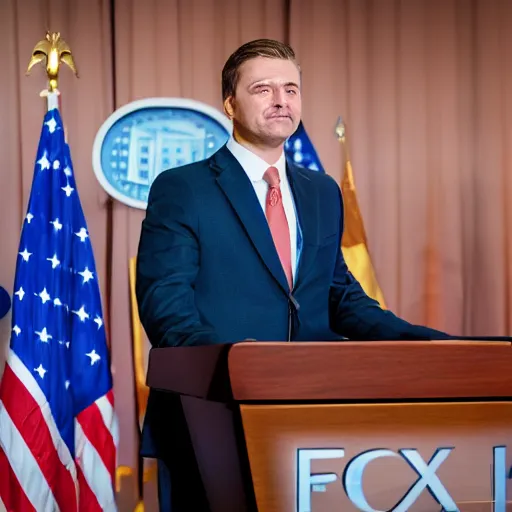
(208, 271)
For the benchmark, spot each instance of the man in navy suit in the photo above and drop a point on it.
(246, 245)
(208, 268)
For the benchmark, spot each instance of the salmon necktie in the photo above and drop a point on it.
(276, 218)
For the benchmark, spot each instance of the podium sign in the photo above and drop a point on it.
(417, 457)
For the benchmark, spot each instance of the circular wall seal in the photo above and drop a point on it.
(145, 137)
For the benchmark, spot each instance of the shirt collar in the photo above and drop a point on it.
(254, 166)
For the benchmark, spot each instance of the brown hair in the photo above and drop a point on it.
(258, 48)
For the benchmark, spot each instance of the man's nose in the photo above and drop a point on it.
(280, 99)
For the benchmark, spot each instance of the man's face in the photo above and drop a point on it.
(266, 108)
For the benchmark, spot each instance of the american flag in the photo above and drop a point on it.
(58, 429)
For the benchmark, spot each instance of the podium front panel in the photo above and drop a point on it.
(417, 457)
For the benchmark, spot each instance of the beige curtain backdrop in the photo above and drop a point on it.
(425, 89)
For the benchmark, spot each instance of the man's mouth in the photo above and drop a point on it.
(281, 117)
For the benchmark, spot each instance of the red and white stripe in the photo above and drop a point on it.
(36, 467)
(96, 438)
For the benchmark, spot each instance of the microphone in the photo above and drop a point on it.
(293, 309)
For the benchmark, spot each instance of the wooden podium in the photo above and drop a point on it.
(328, 427)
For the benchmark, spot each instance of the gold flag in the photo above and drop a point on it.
(354, 244)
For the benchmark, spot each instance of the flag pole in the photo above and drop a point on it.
(347, 179)
(53, 99)
(52, 51)
(354, 242)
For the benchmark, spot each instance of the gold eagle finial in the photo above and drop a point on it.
(55, 50)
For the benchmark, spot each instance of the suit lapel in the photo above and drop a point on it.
(239, 191)
(307, 206)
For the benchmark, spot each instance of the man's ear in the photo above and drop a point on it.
(229, 107)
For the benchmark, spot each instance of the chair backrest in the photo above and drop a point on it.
(141, 348)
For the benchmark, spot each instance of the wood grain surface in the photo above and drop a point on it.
(371, 370)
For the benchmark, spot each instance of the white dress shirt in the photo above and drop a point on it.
(255, 167)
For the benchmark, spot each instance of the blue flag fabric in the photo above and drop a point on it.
(300, 150)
